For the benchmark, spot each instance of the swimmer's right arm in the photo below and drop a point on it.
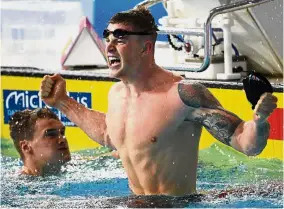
(53, 93)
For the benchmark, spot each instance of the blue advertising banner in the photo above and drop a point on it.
(17, 100)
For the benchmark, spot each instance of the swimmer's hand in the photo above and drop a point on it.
(264, 107)
(53, 90)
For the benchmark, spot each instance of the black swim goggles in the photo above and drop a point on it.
(120, 33)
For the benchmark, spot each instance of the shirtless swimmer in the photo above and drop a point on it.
(154, 118)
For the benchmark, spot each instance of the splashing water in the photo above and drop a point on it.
(225, 179)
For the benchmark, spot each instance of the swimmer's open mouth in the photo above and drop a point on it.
(114, 61)
(63, 148)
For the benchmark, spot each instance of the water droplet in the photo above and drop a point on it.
(173, 162)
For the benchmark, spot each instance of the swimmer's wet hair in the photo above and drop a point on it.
(22, 124)
(140, 18)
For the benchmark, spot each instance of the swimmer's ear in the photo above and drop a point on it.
(148, 46)
(25, 146)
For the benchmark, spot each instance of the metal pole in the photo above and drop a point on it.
(148, 3)
(207, 28)
(216, 11)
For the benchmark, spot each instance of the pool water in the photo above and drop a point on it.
(226, 179)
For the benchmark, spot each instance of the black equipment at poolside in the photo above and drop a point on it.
(255, 85)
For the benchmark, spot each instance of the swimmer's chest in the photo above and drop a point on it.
(146, 118)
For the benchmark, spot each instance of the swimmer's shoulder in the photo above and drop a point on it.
(116, 93)
(188, 92)
(190, 86)
(195, 94)
(116, 88)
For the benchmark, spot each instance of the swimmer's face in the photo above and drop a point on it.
(49, 146)
(123, 52)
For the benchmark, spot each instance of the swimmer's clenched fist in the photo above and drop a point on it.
(264, 107)
(53, 90)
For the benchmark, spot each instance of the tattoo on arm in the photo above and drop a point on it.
(219, 123)
(196, 95)
(209, 112)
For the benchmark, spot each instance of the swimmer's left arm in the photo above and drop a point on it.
(248, 137)
(251, 136)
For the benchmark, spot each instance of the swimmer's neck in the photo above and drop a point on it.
(145, 80)
(34, 170)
